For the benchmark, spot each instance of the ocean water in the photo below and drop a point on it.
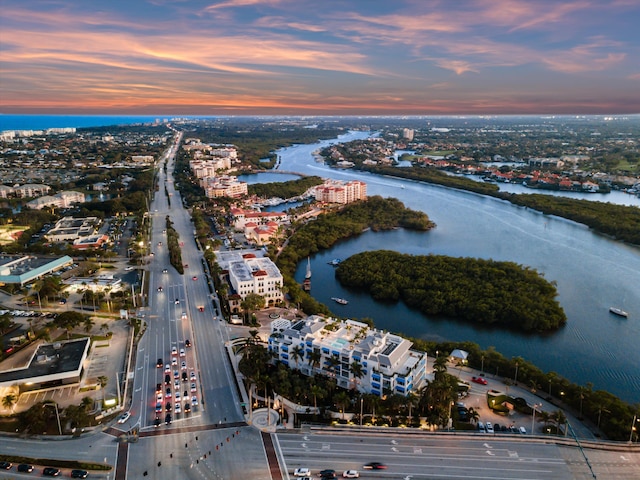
(41, 122)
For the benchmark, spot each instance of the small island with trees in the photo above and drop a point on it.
(475, 290)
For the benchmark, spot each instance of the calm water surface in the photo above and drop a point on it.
(592, 273)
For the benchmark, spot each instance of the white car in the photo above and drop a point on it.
(194, 400)
(193, 387)
(174, 351)
(182, 352)
(124, 417)
(302, 472)
(489, 427)
(350, 474)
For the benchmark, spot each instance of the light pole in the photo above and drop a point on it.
(361, 404)
(515, 379)
(533, 420)
(633, 427)
(482, 364)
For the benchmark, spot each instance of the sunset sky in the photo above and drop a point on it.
(316, 57)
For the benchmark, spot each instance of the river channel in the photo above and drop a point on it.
(592, 273)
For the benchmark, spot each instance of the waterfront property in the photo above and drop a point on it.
(357, 356)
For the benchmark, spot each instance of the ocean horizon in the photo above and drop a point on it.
(42, 122)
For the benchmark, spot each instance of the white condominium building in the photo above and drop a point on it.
(251, 274)
(357, 356)
(223, 187)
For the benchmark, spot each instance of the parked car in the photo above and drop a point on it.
(350, 474)
(480, 380)
(25, 467)
(302, 472)
(79, 474)
(194, 400)
(51, 471)
(6, 465)
(489, 427)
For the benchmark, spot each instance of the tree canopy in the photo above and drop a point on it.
(477, 290)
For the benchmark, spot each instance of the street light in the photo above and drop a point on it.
(633, 428)
(533, 420)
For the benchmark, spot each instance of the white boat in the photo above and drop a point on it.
(618, 311)
(308, 274)
(341, 301)
(335, 262)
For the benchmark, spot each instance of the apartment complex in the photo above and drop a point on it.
(224, 186)
(334, 191)
(357, 356)
(59, 200)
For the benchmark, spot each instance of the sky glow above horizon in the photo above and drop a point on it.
(302, 57)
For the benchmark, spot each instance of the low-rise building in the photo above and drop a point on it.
(357, 356)
(249, 273)
(70, 229)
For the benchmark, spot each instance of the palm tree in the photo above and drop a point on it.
(357, 371)
(313, 359)
(318, 393)
(102, 381)
(333, 363)
(342, 401)
(8, 401)
(88, 324)
(297, 353)
(473, 415)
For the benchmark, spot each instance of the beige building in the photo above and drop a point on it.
(334, 191)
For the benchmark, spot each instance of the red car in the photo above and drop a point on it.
(479, 380)
(374, 466)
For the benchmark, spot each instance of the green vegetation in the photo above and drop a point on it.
(376, 213)
(619, 221)
(175, 254)
(475, 290)
(290, 189)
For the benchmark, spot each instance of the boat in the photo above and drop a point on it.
(618, 311)
(335, 262)
(306, 285)
(308, 274)
(341, 301)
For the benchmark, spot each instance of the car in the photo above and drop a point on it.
(327, 473)
(350, 474)
(496, 427)
(374, 466)
(167, 379)
(193, 387)
(185, 378)
(489, 427)
(522, 430)
(186, 265)
(158, 407)
(178, 408)
(183, 316)
(159, 363)
(194, 400)
(187, 408)
(192, 376)
(164, 270)
(128, 269)
(177, 302)
(302, 472)
(25, 467)
(176, 383)
(174, 361)
(167, 419)
(158, 388)
(79, 474)
(479, 380)
(194, 278)
(168, 393)
(159, 397)
(177, 396)
(6, 465)
(200, 308)
(157, 422)
(481, 426)
(124, 417)
(167, 368)
(160, 288)
(182, 352)
(159, 244)
(174, 351)
(176, 374)
(167, 406)
(187, 343)
(50, 471)
(183, 365)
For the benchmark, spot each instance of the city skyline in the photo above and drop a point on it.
(297, 57)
